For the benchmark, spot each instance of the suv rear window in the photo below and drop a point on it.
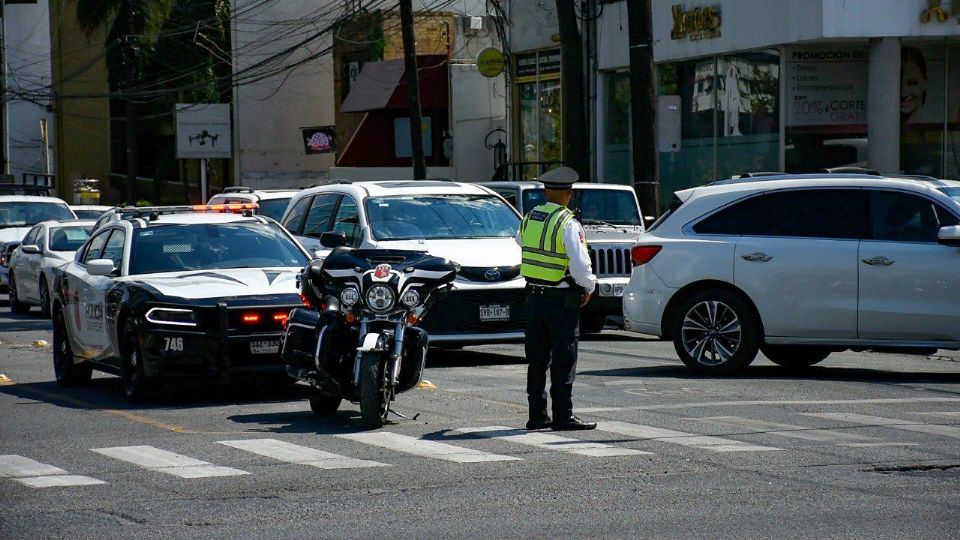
(812, 213)
(674, 204)
(28, 214)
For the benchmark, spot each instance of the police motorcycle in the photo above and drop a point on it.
(358, 339)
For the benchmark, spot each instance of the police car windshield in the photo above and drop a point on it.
(28, 214)
(953, 193)
(438, 217)
(596, 205)
(273, 208)
(207, 246)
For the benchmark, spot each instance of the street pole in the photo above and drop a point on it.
(413, 83)
(642, 111)
(203, 181)
(45, 141)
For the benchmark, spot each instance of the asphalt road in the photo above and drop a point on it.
(863, 445)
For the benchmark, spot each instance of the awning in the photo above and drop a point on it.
(374, 86)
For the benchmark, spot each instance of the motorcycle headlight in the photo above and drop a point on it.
(350, 296)
(410, 298)
(380, 298)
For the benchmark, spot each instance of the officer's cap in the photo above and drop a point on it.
(559, 178)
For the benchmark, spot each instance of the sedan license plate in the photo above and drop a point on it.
(265, 347)
(495, 313)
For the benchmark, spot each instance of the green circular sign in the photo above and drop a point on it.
(490, 62)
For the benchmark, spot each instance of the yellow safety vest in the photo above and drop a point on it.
(544, 255)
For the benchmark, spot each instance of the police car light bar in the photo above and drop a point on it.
(150, 211)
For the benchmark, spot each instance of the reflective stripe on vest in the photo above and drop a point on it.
(544, 255)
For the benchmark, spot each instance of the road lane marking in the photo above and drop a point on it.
(300, 455)
(39, 475)
(549, 441)
(949, 414)
(425, 448)
(877, 401)
(790, 431)
(159, 460)
(704, 442)
(904, 425)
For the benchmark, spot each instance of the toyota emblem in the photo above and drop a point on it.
(492, 274)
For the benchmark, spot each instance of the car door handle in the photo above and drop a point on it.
(756, 257)
(878, 261)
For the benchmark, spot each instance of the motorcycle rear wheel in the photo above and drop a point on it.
(375, 393)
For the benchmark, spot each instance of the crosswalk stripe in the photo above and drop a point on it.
(692, 440)
(424, 448)
(159, 460)
(790, 431)
(301, 455)
(904, 425)
(39, 475)
(550, 441)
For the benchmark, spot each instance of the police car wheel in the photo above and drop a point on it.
(16, 306)
(66, 372)
(716, 331)
(324, 405)
(133, 380)
(44, 298)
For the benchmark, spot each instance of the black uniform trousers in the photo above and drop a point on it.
(553, 327)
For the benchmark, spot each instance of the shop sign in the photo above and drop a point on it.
(318, 140)
(695, 24)
(490, 62)
(826, 86)
(935, 12)
(544, 63)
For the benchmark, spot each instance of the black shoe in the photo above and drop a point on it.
(573, 424)
(539, 423)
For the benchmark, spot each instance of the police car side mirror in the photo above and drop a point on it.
(100, 267)
(333, 239)
(30, 249)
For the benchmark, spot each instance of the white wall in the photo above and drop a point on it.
(883, 18)
(268, 114)
(532, 24)
(26, 31)
(478, 104)
(613, 40)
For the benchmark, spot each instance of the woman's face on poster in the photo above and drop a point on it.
(913, 88)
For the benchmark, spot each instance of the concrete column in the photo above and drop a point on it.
(883, 106)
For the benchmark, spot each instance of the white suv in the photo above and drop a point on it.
(272, 202)
(465, 223)
(799, 266)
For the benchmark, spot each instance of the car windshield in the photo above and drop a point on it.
(69, 238)
(207, 246)
(437, 217)
(28, 214)
(88, 214)
(952, 192)
(596, 206)
(273, 208)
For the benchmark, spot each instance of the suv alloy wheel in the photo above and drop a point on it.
(716, 331)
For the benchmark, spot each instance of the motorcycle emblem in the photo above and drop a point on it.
(492, 274)
(382, 271)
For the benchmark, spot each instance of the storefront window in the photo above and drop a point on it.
(617, 164)
(694, 163)
(826, 108)
(539, 119)
(951, 154)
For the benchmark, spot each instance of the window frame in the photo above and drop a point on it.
(298, 230)
(84, 258)
(337, 196)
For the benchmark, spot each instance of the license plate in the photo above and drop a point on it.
(494, 313)
(265, 347)
(617, 290)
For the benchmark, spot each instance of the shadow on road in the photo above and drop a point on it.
(345, 421)
(814, 373)
(450, 358)
(25, 323)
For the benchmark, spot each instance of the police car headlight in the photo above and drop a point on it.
(350, 296)
(380, 298)
(410, 298)
(172, 316)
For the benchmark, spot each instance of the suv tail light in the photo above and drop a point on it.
(641, 255)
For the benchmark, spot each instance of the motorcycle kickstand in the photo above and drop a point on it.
(391, 410)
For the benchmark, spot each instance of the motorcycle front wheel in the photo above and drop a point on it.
(375, 392)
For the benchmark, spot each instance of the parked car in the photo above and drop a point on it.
(18, 213)
(46, 246)
(165, 294)
(89, 211)
(465, 223)
(798, 267)
(612, 222)
(272, 202)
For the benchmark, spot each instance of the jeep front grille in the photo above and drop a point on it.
(610, 261)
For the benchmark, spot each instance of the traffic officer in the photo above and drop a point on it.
(560, 280)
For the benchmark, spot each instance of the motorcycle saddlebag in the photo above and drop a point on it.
(300, 337)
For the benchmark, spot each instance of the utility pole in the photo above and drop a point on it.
(413, 84)
(4, 134)
(643, 117)
(129, 55)
(573, 107)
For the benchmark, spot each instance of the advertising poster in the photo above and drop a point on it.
(826, 86)
(318, 140)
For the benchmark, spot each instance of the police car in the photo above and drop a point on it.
(175, 292)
